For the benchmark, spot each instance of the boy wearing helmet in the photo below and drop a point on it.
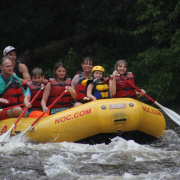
(19, 69)
(97, 89)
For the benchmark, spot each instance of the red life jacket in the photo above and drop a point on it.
(81, 90)
(106, 80)
(56, 90)
(24, 84)
(34, 90)
(13, 93)
(123, 89)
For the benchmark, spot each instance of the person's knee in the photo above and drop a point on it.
(15, 112)
(77, 104)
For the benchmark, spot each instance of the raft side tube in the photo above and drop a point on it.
(70, 125)
(100, 116)
(152, 121)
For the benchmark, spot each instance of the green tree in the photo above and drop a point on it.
(159, 65)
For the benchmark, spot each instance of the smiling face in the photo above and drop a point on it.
(60, 73)
(87, 66)
(98, 74)
(12, 55)
(121, 68)
(7, 68)
(38, 79)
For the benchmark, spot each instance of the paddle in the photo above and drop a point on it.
(173, 115)
(11, 107)
(87, 99)
(24, 132)
(6, 135)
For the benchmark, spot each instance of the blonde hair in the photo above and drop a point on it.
(120, 62)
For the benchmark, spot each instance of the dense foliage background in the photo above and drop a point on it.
(146, 33)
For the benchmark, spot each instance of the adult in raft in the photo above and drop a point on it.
(11, 91)
(19, 69)
(120, 88)
(80, 89)
(55, 88)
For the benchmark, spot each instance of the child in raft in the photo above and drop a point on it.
(97, 89)
(55, 88)
(33, 86)
(120, 88)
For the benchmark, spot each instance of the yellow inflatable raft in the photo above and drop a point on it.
(100, 116)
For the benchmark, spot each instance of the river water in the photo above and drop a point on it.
(119, 160)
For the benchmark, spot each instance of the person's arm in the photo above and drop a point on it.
(74, 81)
(24, 70)
(27, 98)
(89, 92)
(72, 91)
(45, 97)
(139, 94)
(112, 84)
(72, 85)
(2, 100)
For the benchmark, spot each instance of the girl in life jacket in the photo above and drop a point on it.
(87, 66)
(120, 88)
(97, 89)
(55, 88)
(33, 86)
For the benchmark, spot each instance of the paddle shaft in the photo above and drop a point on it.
(24, 132)
(31, 103)
(11, 107)
(48, 108)
(137, 89)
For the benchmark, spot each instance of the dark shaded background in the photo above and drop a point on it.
(144, 33)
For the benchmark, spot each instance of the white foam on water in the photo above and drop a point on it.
(71, 155)
(56, 164)
(10, 145)
(118, 151)
(170, 135)
(118, 145)
(150, 176)
(125, 176)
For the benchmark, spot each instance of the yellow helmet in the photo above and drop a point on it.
(98, 68)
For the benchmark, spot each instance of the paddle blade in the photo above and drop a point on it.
(20, 135)
(173, 115)
(4, 137)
